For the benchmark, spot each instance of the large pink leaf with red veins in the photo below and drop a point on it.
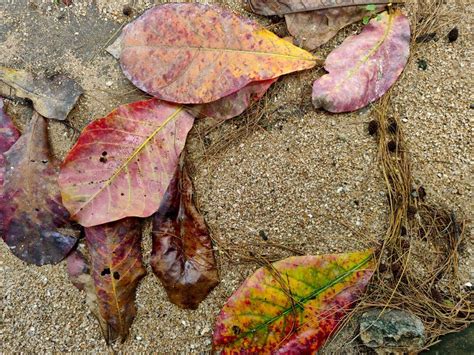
(365, 66)
(31, 210)
(122, 164)
(193, 53)
(293, 306)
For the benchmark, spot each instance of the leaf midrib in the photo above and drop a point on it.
(232, 50)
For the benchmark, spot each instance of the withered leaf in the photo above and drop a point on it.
(116, 268)
(364, 66)
(30, 206)
(53, 97)
(193, 53)
(314, 28)
(282, 7)
(8, 136)
(79, 272)
(233, 104)
(182, 256)
(122, 163)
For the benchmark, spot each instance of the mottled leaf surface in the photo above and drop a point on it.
(122, 164)
(8, 136)
(314, 28)
(294, 306)
(182, 256)
(116, 268)
(30, 205)
(233, 104)
(282, 7)
(53, 97)
(193, 53)
(365, 66)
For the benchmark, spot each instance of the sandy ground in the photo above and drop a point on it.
(306, 178)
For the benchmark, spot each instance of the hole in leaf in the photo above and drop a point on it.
(116, 275)
(236, 330)
(104, 153)
(106, 271)
(103, 159)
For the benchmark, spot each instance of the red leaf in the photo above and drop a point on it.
(31, 208)
(182, 254)
(193, 53)
(122, 164)
(116, 264)
(365, 66)
(233, 104)
(8, 135)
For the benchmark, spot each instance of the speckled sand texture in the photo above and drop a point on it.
(308, 179)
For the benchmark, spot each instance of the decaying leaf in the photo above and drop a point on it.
(116, 268)
(53, 97)
(122, 164)
(282, 7)
(314, 28)
(8, 136)
(79, 272)
(365, 66)
(182, 254)
(233, 104)
(294, 306)
(30, 205)
(193, 53)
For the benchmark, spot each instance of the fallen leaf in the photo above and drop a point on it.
(30, 205)
(365, 66)
(116, 268)
(8, 132)
(182, 256)
(193, 53)
(233, 104)
(8, 136)
(292, 307)
(122, 164)
(314, 28)
(53, 97)
(282, 7)
(79, 272)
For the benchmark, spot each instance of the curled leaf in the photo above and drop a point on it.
(293, 306)
(30, 205)
(79, 272)
(182, 256)
(122, 164)
(314, 28)
(116, 268)
(233, 104)
(193, 53)
(282, 7)
(365, 66)
(53, 97)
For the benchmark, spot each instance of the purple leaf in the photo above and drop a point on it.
(365, 66)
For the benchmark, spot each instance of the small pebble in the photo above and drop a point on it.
(422, 64)
(109, 83)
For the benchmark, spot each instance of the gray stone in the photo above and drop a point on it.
(392, 332)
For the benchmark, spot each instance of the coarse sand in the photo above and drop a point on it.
(306, 179)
